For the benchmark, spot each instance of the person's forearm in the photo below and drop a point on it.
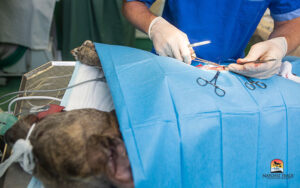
(138, 14)
(290, 30)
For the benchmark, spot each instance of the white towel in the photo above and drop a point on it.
(286, 72)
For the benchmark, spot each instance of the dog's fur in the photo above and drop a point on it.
(78, 148)
(86, 54)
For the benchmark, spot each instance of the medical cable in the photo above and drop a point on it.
(41, 82)
(43, 79)
(31, 97)
(51, 90)
(8, 100)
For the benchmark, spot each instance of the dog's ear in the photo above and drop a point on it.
(107, 156)
(88, 43)
(20, 129)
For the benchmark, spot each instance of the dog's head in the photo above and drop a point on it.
(86, 54)
(77, 51)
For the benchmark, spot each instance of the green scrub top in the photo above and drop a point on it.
(95, 20)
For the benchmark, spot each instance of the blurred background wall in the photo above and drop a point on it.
(34, 32)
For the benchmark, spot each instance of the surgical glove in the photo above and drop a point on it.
(275, 48)
(169, 41)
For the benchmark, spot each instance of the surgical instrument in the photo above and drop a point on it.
(203, 82)
(250, 84)
(199, 43)
(102, 79)
(205, 61)
(243, 63)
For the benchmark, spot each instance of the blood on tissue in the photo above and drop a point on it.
(207, 67)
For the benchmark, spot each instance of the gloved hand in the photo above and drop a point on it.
(169, 41)
(275, 48)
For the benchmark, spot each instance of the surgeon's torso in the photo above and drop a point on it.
(229, 24)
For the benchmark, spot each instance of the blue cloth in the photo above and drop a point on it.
(179, 134)
(35, 183)
(295, 62)
(282, 10)
(229, 24)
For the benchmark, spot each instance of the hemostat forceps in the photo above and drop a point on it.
(203, 82)
(221, 67)
(205, 61)
(250, 84)
(255, 61)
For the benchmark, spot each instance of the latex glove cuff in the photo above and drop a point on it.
(151, 24)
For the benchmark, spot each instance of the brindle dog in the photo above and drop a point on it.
(76, 149)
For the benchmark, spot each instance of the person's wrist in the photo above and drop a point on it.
(154, 20)
(281, 43)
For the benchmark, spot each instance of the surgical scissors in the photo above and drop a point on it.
(203, 82)
(251, 84)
